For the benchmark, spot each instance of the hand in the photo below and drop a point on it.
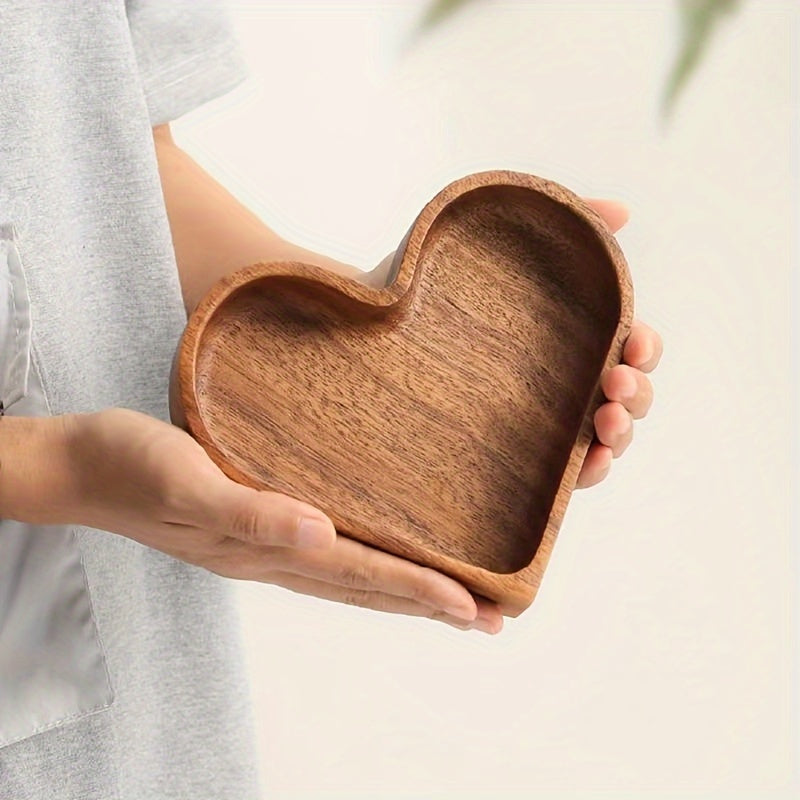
(150, 481)
(626, 386)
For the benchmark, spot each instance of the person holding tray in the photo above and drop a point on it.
(121, 673)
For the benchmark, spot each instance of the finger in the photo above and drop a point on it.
(613, 427)
(643, 348)
(614, 213)
(489, 615)
(269, 518)
(596, 466)
(375, 600)
(354, 565)
(630, 387)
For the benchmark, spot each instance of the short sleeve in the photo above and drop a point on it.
(186, 52)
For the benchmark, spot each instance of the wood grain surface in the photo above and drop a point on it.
(443, 418)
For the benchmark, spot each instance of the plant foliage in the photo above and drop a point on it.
(698, 21)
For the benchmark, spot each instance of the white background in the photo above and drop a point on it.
(659, 659)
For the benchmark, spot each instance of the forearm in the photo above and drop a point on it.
(214, 234)
(35, 469)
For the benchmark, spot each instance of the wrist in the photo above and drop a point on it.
(36, 468)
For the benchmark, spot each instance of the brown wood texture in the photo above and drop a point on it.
(443, 418)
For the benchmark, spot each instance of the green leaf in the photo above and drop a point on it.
(698, 19)
(439, 10)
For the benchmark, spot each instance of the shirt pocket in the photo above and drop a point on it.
(52, 666)
(15, 323)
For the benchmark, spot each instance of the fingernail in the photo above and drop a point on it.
(461, 611)
(315, 532)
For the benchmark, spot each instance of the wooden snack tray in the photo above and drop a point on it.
(443, 418)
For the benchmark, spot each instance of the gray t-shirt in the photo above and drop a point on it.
(120, 668)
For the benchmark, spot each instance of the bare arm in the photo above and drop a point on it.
(214, 234)
(124, 472)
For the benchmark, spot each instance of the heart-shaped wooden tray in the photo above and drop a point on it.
(443, 418)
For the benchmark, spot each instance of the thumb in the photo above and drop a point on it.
(270, 518)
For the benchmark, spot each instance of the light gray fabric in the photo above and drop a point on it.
(52, 667)
(15, 321)
(80, 85)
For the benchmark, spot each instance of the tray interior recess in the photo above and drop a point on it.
(448, 426)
